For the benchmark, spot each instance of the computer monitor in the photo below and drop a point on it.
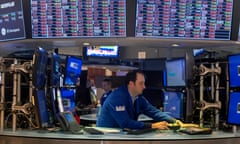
(102, 51)
(175, 72)
(73, 70)
(154, 79)
(234, 70)
(68, 100)
(39, 70)
(55, 70)
(12, 20)
(174, 104)
(233, 116)
(42, 109)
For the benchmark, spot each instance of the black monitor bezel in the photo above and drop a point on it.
(39, 67)
(177, 87)
(66, 69)
(229, 72)
(228, 109)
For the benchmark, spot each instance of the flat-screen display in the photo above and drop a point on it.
(191, 19)
(73, 69)
(174, 104)
(39, 71)
(175, 72)
(55, 70)
(234, 70)
(154, 79)
(41, 104)
(102, 51)
(11, 20)
(68, 96)
(197, 52)
(78, 18)
(234, 108)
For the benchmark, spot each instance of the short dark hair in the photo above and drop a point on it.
(132, 76)
(108, 80)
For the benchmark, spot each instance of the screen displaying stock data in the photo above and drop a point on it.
(78, 18)
(193, 19)
(11, 20)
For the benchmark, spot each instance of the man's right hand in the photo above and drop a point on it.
(160, 125)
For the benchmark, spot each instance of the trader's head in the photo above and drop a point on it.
(135, 81)
(107, 84)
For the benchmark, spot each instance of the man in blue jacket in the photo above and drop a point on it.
(123, 106)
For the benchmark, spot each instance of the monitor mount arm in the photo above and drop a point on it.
(203, 105)
(204, 70)
(27, 108)
(25, 67)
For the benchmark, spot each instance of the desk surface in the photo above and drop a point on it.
(92, 117)
(165, 137)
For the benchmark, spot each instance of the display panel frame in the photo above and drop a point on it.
(73, 69)
(234, 70)
(169, 19)
(79, 19)
(233, 115)
(175, 68)
(12, 20)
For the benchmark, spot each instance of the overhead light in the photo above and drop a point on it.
(86, 44)
(175, 45)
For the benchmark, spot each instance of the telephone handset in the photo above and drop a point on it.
(68, 122)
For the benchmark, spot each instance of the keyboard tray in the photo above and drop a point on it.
(140, 131)
(196, 131)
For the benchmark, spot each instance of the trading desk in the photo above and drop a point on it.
(156, 137)
(92, 117)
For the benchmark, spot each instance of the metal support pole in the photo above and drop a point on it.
(201, 99)
(14, 116)
(2, 99)
(212, 83)
(18, 88)
(217, 99)
(212, 121)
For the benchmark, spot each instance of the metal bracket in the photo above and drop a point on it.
(203, 105)
(25, 67)
(2, 106)
(204, 70)
(27, 108)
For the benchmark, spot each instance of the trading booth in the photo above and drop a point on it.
(42, 101)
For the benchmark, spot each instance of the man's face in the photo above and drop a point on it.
(106, 86)
(139, 84)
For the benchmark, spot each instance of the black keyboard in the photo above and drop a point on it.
(94, 131)
(196, 131)
(140, 131)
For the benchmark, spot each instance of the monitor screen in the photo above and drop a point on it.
(73, 69)
(68, 96)
(234, 70)
(175, 72)
(198, 52)
(234, 108)
(174, 104)
(78, 18)
(55, 70)
(102, 51)
(184, 19)
(153, 79)
(41, 105)
(40, 59)
(11, 20)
